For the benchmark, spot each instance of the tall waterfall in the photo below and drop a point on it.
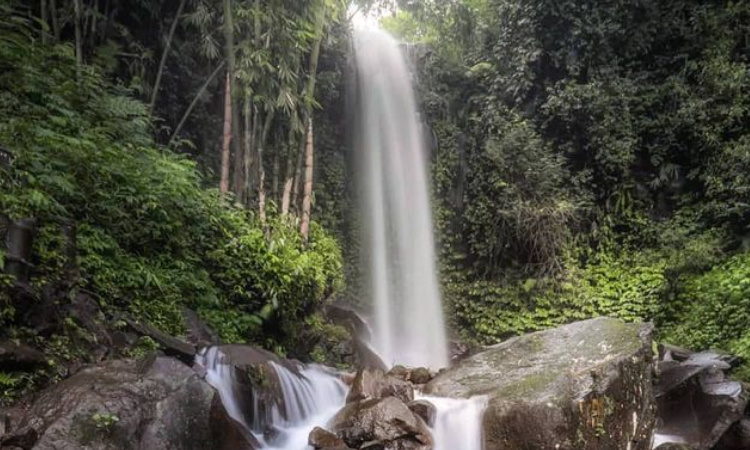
(408, 318)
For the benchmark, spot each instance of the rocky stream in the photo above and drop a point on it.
(598, 384)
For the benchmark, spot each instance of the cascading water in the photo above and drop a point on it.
(311, 398)
(408, 319)
(458, 424)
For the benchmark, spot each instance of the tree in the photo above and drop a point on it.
(165, 54)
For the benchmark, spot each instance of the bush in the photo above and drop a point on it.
(712, 309)
(628, 286)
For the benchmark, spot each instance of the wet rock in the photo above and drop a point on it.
(424, 410)
(198, 332)
(227, 432)
(737, 437)
(161, 404)
(400, 372)
(583, 386)
(349, 318)
(697, 404)
(420, 375)
(386, 422)
(255, 381)
(321, 439)
(171, 345)
(87, 313)
(459, 350)
(20, 357)
(672, 446)
(369, 384)
(366, 356)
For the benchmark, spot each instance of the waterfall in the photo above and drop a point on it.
(311, 398)
(458, 424)
(408, 318)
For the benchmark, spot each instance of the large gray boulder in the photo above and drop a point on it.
(122, 405)
(371, 383)
(584, 386)
(387, 422)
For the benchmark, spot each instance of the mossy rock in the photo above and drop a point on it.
(583, 386)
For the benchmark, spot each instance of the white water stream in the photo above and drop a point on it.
(311, 399)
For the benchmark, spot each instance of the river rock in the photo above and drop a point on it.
(20, 357)
(255, 381)
(198, 332)
(424, 410)
(583, 386)
(159, 404)
(420, 375)
(321, 439)
(171, 345)
(698, 405)
(387, 422)
(369, 384)
(737, 437)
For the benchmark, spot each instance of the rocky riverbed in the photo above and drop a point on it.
(598, 384)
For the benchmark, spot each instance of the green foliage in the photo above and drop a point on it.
(628, 286)
(150, 238)
(712, 309)
(104, 421)
(143, 347)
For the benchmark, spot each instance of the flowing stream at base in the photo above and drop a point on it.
(314, 396)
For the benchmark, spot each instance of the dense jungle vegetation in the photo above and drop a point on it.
(588, 158)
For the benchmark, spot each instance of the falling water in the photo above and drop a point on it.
(408, 326)
(458, 424)
(311, 398)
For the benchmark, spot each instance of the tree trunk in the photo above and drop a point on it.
(307, 192)
(247, 163)
(226, 137)
(94, 18)
(275, 178)
(164, 55)
(45, 21)
(288, 172)
(79, 36)
(309, 149)
(194, 102)
(296, 182)
(261, 169)
(55, 22)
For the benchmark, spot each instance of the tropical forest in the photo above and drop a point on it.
(374, 225)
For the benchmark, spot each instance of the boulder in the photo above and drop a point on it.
(321, 439)
(698, 406)
(369, 384)
(158, 404)
(170, 344)
(20, 357)
(254, 380)
(420, 375)
(387, 422)
(737, 437)
(198, 333)
(583, 386)
(424, 410)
